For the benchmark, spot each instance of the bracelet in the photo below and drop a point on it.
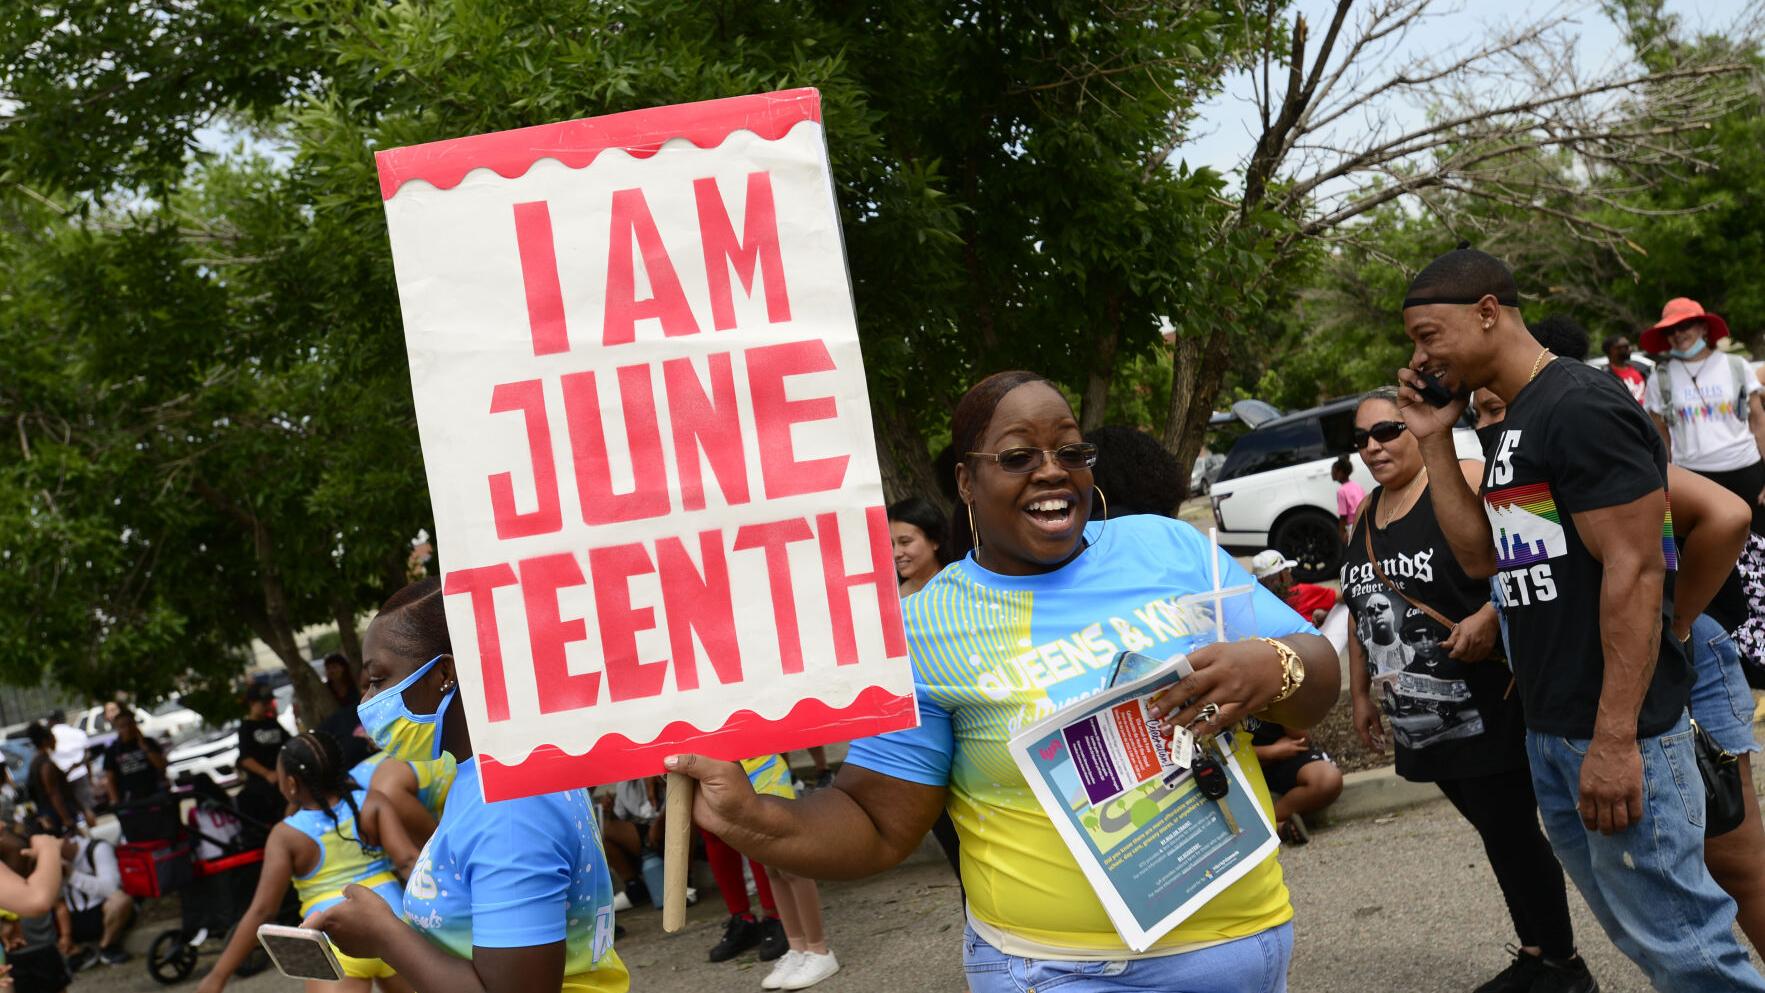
(1292, 669)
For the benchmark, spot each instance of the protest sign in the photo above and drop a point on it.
(648, 440)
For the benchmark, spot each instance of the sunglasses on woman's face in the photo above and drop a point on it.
(1078, 455)
(1384, 432)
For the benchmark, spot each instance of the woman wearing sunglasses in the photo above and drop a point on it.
(510, 898)
(1426, 650)
(1028, 621)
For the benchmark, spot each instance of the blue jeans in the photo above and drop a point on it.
(1257, 964)
(1647, 885)
(1721, 701)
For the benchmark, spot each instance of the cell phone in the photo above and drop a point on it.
(300, 952)
(1436, 394)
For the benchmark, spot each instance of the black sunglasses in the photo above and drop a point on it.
(1078, 455)
(1384, 432)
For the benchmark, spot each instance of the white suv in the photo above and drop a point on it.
(1275, 490)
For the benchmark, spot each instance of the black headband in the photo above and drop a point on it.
(1505, 301)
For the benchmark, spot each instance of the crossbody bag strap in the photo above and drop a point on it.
(1373, 557)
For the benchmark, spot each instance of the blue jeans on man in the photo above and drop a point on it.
(1647, 885)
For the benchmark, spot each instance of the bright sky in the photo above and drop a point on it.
(1229, 133)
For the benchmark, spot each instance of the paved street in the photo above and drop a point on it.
(1441, 933)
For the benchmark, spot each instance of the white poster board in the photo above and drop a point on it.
(648, 440)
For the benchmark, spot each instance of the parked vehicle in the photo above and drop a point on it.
(214, 752)
(1275, 490)
(169, 722)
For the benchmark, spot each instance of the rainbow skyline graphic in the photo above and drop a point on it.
(1527, 527)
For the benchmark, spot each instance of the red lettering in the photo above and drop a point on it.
(699, 604)
(780, 471)
(480, 584)
(705, 422)
(559, 689)
(667, 303)
(773, 538)
(839, 585)
(539, 275)
(529, 398)
(612, 569)
(757, 249)
(588, 447)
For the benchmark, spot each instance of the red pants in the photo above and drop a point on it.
(726, 868)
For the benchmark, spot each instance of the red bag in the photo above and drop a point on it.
(153, 868)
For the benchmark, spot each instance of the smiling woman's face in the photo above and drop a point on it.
(1029, 522)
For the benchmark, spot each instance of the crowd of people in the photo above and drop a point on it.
(1537, 632)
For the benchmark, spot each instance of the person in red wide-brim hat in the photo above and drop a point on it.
(1680, 314)
(1707, 403)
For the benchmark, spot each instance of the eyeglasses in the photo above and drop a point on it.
(1384, 432)
(1078, 455)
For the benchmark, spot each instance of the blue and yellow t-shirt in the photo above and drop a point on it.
(435, 778)
(992, 655)
(341, 859)
(515, 874)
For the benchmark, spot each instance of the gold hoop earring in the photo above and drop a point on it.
(973, 532)
(1103, 498)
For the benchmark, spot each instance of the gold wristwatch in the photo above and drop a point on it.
(1292, 669)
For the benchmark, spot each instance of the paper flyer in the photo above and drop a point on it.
(1153, 847)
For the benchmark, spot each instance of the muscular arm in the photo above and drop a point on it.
(1713, 524)
(865, 823)
(1625, 540)
(1452, 490)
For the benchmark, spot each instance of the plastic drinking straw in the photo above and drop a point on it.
(1219, 611)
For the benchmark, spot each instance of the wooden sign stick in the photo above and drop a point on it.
(676, 850)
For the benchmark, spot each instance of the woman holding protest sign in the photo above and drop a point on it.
(511, 899)
(1040, 574)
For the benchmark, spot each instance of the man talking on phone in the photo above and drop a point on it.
(1570, 521)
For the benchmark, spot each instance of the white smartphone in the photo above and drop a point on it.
(301, 953)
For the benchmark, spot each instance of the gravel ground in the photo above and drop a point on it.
(1400, 903)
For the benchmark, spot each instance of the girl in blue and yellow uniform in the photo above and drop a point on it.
(809, 960)
(319, 849)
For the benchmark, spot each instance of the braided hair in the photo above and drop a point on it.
(315, 760)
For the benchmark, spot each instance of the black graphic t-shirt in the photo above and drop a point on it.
(1448, 718)
(135, 773)
(261, 740)
(1573, 441)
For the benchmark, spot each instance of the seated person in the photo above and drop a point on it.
(1275, 571)
(1303, 779)
(94, 907)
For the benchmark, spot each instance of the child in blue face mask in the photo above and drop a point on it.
(525, 879)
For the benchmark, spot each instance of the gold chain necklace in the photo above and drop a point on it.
(1404, 499)
(1538, 363)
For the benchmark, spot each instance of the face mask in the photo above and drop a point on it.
(1690, 353)
(392, 726)
(1486, 436)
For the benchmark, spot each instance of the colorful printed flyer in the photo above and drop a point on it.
(1153, 847)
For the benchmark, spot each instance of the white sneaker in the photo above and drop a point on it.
(782, 970)
(621, 902)
(813, 969)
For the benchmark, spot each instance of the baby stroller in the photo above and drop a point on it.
(215, 874)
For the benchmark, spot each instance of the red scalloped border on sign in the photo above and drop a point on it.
(745, 735)
(443, 164)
